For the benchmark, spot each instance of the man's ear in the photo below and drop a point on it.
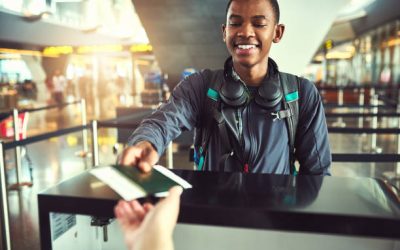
(279, 30)
(223, 29)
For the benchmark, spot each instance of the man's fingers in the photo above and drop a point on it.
(143, 156)
(130, 156)
(144, 166)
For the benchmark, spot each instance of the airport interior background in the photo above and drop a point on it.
(118, 60)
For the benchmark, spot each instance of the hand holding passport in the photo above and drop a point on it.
(130, 183)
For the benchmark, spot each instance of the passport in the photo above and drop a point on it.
(130, 183)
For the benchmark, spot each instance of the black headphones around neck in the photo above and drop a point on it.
(233, 91)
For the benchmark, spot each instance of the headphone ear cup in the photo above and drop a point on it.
(269, 95)
(233, 94)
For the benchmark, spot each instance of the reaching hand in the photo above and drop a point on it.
(143, 155)
(148, 227)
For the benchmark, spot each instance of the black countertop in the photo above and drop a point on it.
(334, 205)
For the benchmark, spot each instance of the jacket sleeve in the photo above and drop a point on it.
(312, 144)
(178, 114)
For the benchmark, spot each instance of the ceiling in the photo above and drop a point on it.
(15, 32)
(184, 33)
(371, 16)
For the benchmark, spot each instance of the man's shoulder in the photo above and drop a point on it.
(305, 85)
(206, 76)
(203, 74)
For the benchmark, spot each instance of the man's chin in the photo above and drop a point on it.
(244, 63)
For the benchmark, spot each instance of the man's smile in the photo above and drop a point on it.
(245, 48)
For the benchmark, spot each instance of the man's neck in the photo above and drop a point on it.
(252, 76)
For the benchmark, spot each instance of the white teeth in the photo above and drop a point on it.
(246, 46)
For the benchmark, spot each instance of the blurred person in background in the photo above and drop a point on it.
(59, 83)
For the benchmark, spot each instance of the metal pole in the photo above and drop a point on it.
(340, 97)
(397, 169)
(371, 94)
(18, 161)
(5, 224)
(84, 123)
(169, 156)
(374, 136)
(361, 101)
(95, 145)
(339, 122)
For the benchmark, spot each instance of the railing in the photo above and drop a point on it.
(15, 112)
(16, 144)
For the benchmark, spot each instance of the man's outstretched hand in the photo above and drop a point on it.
(143, 155)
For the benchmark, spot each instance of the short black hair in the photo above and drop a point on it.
(274, 4)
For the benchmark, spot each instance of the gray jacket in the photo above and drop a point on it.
(264, 144)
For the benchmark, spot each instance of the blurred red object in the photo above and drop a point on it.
(7, 130)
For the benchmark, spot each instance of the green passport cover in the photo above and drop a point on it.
(152, 182)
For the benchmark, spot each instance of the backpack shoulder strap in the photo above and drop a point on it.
(290, 85)
(209, 113)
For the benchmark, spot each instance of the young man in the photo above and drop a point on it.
(245, 128)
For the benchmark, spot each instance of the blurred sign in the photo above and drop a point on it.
(57, 51)
(61, 223)
(138, 48)
(328, 45)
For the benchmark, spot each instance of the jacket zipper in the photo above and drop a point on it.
(239, 122)
(246, 167)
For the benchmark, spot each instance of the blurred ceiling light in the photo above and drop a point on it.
(56, 51)
(21, 52)
(319, 58)
(339, 55)
(141, 48)
(29, 17)
(10, 56)
(99, 48)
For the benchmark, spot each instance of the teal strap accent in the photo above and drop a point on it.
(213, 94)
(201, 159)
(292, 96)
(295, 173)
(289, 200)
(201, 162)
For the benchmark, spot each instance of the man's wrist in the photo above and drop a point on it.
(146, 144)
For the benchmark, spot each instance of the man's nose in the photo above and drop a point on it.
(247, 30)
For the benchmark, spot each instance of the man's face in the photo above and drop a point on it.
(250, 30)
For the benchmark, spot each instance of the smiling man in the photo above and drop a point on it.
(248, 116)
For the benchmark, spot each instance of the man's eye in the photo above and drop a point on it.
(259, 25)
(234, 24)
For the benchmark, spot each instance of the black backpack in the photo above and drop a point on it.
(211, 116)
